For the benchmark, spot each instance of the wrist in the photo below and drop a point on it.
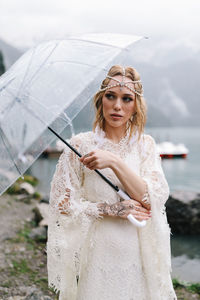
(104, 209)
(114, 161)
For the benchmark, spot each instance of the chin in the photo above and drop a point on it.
(116, 124)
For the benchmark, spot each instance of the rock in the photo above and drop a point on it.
(24, 198)
(27, 188)
(45, 199)
(4, 289)
(37, 215)
(37, 295)
(41, 214)
(38, 234)
(16, 298)
(183, 212)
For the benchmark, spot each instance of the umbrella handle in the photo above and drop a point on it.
(130, 217)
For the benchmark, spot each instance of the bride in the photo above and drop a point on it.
(93, 251)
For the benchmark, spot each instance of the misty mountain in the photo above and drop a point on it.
(2, 67)
(170, 76)
(172, 93)
(10, 53)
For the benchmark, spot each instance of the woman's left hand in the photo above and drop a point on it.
(98, 159)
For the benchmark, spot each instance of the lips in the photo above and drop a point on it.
(116, 115)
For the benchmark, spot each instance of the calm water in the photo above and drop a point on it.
(181, 174)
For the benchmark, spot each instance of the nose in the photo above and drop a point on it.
(117, 104)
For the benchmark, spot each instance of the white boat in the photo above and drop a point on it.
(170, 150)
(166, 150)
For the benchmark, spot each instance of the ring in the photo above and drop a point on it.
(131, 206)
(86, 155)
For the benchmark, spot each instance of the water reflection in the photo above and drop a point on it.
(186, 244)
(186, 257)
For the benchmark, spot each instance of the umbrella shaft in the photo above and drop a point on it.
(115, 187)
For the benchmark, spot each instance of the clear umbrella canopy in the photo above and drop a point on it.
(48, 86)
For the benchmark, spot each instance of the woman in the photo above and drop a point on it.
(93, 251)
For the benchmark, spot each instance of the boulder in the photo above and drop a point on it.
(183, 212)
(39, 234)
(41, 214)
(27, 188)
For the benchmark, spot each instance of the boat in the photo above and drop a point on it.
(166, 150)
(170, 150)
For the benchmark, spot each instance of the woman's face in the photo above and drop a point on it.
(118, 104)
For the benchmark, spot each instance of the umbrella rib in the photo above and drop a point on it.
(98, 43)
(10, 105)
(77, 62)
(68, 61)
(38, 70)
(26, 72)
(2, 134)
(3, 87)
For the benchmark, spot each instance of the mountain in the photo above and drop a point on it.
(2, 67)
(170, 72)
(173, 92)
(10, 53)
(170, 75)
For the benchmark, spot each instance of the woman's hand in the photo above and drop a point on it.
(123, 209)
(98, 159)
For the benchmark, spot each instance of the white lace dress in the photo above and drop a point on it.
(112, 258)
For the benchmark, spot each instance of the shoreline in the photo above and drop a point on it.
(23, 259)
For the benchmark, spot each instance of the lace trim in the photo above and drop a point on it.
(146, 197)
(67, 234)
(101, 138)
(123, 147)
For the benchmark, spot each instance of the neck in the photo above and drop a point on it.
(115, 133)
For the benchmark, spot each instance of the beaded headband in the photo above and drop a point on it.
(122, 84)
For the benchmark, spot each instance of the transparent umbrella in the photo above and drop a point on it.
(44, 91)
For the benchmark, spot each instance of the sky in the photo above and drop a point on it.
(25, 23)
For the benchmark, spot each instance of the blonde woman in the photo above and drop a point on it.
(93, 251)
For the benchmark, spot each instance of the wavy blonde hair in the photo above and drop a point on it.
(138, 120)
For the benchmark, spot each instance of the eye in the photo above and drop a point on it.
(109, 96)
(127, 99)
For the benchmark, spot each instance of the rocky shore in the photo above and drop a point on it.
(183, 212)
(23, 223)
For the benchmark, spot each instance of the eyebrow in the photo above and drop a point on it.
(123, 94)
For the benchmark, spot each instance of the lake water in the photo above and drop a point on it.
(181, 174)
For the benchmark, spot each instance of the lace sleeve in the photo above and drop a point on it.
(155, 236)
(151, 171)
(67, 194)
(70, 217)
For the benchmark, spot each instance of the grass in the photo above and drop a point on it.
(30, 179)
(22, 268)
(194, 287)
(15, 188)
(190, 287)
(19, 267)
(23, 236)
